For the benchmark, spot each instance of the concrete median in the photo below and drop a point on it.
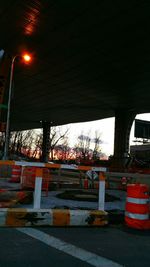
(20, 217)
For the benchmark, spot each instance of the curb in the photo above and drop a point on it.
(17, 217)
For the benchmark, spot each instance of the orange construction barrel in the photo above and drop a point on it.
(86, 183)
(29, 176)
(137, 206)
(15, 174)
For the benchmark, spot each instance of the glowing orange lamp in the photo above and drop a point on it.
(26, 57)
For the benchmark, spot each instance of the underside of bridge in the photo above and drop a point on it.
(91, 60)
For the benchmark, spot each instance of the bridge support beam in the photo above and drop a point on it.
(123, 122)
(46, 141)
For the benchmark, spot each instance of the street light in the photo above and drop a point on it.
(27, 58)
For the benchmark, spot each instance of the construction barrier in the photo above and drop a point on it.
(52, 166)
(96, 185)
(29, 176)
(137, 206)
(52, 217)
(15, 174)
(36, 175)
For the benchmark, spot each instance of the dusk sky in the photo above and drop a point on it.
(106, 129)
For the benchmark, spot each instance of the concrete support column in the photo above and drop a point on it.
(123, 122)
(46, 141)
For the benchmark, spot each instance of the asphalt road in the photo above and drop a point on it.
(112, 246)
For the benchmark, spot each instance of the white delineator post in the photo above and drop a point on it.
(38, 188)
(101, 197)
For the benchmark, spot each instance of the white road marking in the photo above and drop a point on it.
(70, 249)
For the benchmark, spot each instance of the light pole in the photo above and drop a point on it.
(26, 59)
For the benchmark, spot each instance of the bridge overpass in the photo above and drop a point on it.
(91, 60)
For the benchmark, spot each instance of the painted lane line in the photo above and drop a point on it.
(70, 249)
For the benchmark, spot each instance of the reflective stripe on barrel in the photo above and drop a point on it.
(137, 216)
(138, 200)
(16, 173)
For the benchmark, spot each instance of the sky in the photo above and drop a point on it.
(104, 127)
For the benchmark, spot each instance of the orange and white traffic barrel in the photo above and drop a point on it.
(86, 183)
(29, 178)
(15, 174)
(137, 206)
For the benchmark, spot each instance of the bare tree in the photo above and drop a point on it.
(21, 142)
(83, 146)
(37, 148)
(57, 136)
(63, 151)
(29, 142)
(97, 150)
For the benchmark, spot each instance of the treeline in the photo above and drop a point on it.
(28, 145)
